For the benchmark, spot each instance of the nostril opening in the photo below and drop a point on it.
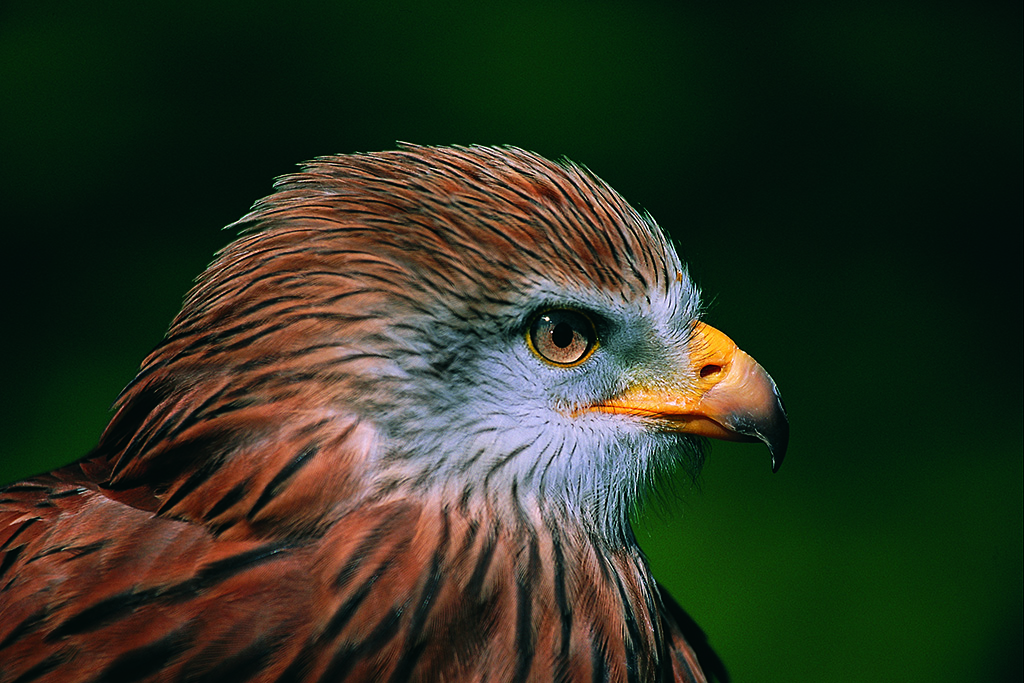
(709, 370)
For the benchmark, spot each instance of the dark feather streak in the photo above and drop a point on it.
(281, 479)
(525, 583)
(21, 528)
(229, 499)
(415, 642)
(142, 662)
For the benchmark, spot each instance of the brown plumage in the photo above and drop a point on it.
(395, 433)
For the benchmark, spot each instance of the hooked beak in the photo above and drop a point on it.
(722, 394)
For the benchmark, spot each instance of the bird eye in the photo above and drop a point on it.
(562, 337)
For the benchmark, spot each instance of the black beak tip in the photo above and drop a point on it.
(773, 430)
(777, 457)
(777, 438)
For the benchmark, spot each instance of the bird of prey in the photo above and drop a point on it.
(395, 434)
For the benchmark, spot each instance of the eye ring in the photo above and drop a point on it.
(562, 337)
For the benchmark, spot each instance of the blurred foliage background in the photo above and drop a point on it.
(844, 179)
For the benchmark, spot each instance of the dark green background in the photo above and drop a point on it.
(845, 182)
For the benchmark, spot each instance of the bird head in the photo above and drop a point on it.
(478, 324)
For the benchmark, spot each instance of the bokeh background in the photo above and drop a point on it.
(844, 179)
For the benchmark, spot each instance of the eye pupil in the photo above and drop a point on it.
(562, 335)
